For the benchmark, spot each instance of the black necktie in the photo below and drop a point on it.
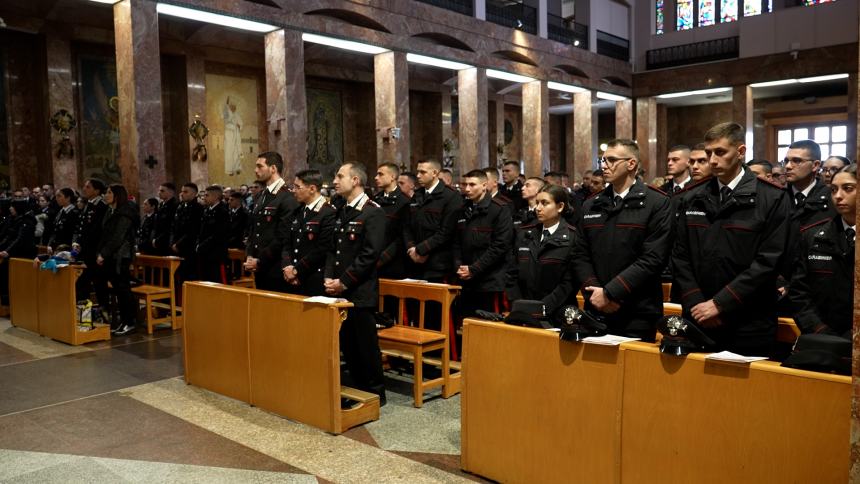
(676, 189)
(545, 236)
(799, 198)
(849, 236)
(617, 200)
(725, 193)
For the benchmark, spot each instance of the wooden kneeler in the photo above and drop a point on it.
(412, 343)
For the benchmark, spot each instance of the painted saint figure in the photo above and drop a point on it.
(232, 139)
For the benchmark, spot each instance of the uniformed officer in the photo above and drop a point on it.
(731, 236)
(700, 166)
(304, 253)
(146, 231)
(625, 245)
(822, 284)
(214, 233)
(274, 208)
(678, 167)
(86, 240)
(511, 187)
(165, 217)
(17, 240)
(351, 273)
(66, 222)
(238, 221)
(544, 251)
(392, 262)
(527, 215)
(183, 235)
(482, 246)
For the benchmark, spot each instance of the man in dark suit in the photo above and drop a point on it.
(274, 208)
(511, 187)
(238, 221)
(392, 262)
(212, 242)
(183, 237)
(86, 240)
(164, 215)
(678, 167)
(351, 273)
(310, 237)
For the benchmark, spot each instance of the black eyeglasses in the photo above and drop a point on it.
(611, 160)
(794, 161)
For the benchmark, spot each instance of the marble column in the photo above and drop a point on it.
(61, 96)
(662, 139)
(447, 131)
(286, 101)
(584, 132)
(195, 74)
(473, 103)
(646, 135)
(536, 127)
(854, 471)
(138, 75)
(569, 151)
(624, 119)
(852, 148)
(500, 128)
(742, 113)
(391, 88)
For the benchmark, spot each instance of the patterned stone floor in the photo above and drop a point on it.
(119, 411)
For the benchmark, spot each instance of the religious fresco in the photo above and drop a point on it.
(325, 131)
(99, 118)
(232, 118)
(4, 131)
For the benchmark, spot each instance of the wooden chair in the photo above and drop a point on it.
(158, 275)
(412, 343)
(244, 279)
(667, 291)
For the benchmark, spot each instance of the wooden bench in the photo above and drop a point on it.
(667, 292)
(237, 260)
(411, 343)
(158, 276)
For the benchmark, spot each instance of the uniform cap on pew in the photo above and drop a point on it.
(527, 312)
(825, 353)
(577, 324)
(681, 336)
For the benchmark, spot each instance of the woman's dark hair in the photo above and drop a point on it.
(559, 195)
(120, 195)
(21, 206)
(152, 202)
(70, 194)
(845, 161)
(850, 169)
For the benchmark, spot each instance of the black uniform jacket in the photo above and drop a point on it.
(214, 234)
(514, 194)
(816, 208)
(19, 236)
(624, 249)
(483, 242)
(270, 225)
(238, 228)
(433, 219)
(186, 227)
(145, 234)
(544, 271)
(118, 233)
(392, 262)
(823, 281)
(359, 235)
(64, 227)
(89, 228)
(308, 245)
(731, 254)
(164, 225)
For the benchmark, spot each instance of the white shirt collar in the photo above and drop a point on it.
(211, 207)
(734, 183)
(845, 226)
(315, 204)
(430, 190)
(682, 184)
(622, 194)
(68, 208)
(551, 229)
(358, 202)
(805, 191)
(274, 187)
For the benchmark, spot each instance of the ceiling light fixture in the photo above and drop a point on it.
(781, 82)
(109, 2)
(343, 44)
(610, 97)
(693, 93)
(830, 77)
(213, 18)
(557, 86)
(432, 61)
(507, 76)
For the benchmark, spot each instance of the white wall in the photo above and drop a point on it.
(610, 17)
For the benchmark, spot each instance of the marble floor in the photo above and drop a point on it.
(120, 411)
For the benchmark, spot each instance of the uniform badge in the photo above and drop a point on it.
(310, 236)
(351, 236)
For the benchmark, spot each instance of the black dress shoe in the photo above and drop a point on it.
(124, 330)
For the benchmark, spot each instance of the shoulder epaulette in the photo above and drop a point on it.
(691, 186)
(372, 203)
(529, 226)
(593, 195)
(501, 200)
(814, 224)
(657, 190)
(770, 182)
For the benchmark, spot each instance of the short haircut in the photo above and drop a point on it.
(762, 163)
(311, 178)
(170, 186)
(394, 169)
(411, 176)
(435, 164)
(243, 185)
(215, 188)
(237, 196)
(587, 172)
(698, 147)
(629, 144)
(151, 201)
(98, 185)
(810, 146)
(515, 164)
(479, 174)
(679, 148)
(357, 170)
(845, 161)
(537, 179)
(273, 158)
(597, 173)
(447, 171)
(192, 186)
(733, 132)
(491, 173)
(259, 183)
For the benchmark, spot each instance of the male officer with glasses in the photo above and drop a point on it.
(625, 246)
(730, 239)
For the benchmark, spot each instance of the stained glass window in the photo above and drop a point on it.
(685, 14)
(659, 17)
(752, 7)
(707, 12)
(729, 11)
(815, 2)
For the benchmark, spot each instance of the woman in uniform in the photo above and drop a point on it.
(65, 222)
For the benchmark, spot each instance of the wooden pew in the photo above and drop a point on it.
(237, 259)
(273, 351)
(412, 343)
(158, 274)
(23, 294)
(667, 292)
